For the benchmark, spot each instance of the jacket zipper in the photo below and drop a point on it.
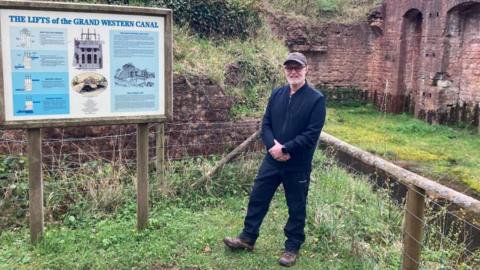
(287, 116)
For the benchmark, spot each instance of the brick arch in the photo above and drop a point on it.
(461, 58)
(409, 61)
(455, 5)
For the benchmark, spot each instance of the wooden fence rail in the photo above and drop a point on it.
(417, 185)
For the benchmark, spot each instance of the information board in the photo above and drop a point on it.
(78, 67)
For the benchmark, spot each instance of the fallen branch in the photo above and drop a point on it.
(226, 159)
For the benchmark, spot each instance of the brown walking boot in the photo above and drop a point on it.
(235, 243)
(288, 259)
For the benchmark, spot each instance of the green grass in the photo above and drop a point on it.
(259, 60)
(321, 11)
(349, 227)
(446, 154)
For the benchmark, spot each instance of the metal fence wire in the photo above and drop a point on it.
(445, 229)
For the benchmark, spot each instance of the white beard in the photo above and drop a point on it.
(295, 81)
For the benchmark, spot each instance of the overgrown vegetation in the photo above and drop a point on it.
(248, 70)
(217, 18)
(446, 154)
(97, 189)
(13, 190)
(247, 64)
(93, 189)
(339, 11)
(349, 226)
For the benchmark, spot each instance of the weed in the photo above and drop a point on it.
(349, 227)
(439, 152)
(248, 70)
(216, 18)
(339, 11)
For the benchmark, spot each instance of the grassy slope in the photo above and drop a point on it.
(443, 153)
(264, 53)
(321, 11)
(343, 213)
(209, 57)
(348, 227)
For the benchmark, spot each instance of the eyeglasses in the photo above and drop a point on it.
(292, 68)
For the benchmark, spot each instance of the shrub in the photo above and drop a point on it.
(216, 18)
(339, 11)
(13, 190)
(252, 81)
(212, 18)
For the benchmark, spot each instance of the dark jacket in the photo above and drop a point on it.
(296, 122)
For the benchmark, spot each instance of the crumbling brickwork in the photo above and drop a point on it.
(201, 126)
(413, 56)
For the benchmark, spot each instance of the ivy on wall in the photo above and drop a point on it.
(216, 18)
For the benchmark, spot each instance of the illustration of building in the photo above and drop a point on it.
(28, 104)
(27, 83)
(27, 60)
(129, 75)
(89, 83)
(88, 51)
(25, 38)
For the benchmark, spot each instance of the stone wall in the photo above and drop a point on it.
(201, 126)
(412, 56)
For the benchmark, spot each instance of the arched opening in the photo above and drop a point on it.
(409, 62)
(461, 58)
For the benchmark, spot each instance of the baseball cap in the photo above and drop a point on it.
(296, 57)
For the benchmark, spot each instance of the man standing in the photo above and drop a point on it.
(291, 126)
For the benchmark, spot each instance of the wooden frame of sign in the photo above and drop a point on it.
(18, 118)
(50, 63)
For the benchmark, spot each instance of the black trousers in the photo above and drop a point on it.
(266, 183)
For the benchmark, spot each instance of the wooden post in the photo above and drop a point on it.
(142, 176)
(413, 228)
(35, 183)
(160, 152)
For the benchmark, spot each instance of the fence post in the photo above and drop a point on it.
(35, 183)
(142, 176)
(160, 153)
(413, 228)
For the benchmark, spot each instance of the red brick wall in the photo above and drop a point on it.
(446, 88)
(410, 55)
(342, 61)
